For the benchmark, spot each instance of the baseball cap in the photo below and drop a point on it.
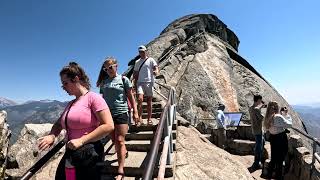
(142, 48)
(221, 106)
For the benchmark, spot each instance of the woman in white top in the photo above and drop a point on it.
(276, 124)
(285, 114)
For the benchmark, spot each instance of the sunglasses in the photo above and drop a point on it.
(64, 83)
(109, 67)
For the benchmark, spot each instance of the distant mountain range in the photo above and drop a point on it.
(43, 111)
(6, 102)
(311, 117)
(48, 111)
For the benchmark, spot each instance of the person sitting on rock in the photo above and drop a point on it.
(145, 69)
(87, 119)
(221, 126)
(276, 124)
(256, 124)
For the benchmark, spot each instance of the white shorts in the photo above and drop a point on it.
(145, 88)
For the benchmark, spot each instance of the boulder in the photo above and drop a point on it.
(25, 153)
(198, 158)
(4, 142)
(294, 142)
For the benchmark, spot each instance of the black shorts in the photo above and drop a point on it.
(121, 118)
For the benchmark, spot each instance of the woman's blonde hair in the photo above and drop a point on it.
(272, 109)
(102, 73)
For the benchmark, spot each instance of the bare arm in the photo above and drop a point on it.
(258, 114)
(135, 76)
(105, 128)
(132, 102)
(56, 128)
(282, 122)
(48, 140)
(156, 70)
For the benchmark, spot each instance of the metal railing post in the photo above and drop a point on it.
(169, 158)
(169, 134)
(314, 150)
(172, 114)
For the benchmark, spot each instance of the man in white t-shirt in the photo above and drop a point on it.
(145, 69)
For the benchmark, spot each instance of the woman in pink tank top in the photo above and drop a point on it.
(87, 119)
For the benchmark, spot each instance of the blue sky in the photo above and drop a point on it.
(38, 37)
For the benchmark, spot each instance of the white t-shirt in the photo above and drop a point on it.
(220, 119)
(146, 71)
(280, 123)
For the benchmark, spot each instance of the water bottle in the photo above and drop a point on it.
(70, 170)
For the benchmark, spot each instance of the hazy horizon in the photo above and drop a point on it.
(314, 104)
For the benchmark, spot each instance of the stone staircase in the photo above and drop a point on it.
(242, 142)
(138, 143)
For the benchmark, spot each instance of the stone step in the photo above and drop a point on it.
(154, 105)
(139, 146)
(154, 109)
(145, 127)
(246, 147)
(143, 145)
(153, 115)
(135, 129)
(134, 165)
(144, 135)
(154, 99)
(240, 132)
(241, 147)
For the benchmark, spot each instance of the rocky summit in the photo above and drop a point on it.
(197, 54)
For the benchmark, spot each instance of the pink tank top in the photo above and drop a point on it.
(81, 119)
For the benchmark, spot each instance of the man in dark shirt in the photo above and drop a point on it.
(256, 124)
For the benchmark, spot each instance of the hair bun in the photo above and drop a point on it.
(73, 64)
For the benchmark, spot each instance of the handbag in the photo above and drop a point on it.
(86, 155)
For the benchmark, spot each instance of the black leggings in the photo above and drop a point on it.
(82, 173)
(279, 150)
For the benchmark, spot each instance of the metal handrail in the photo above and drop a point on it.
(317, 156)
(42, 161)
(162, 125)
(164, 85)
(307, 136)
(164, 97)
(152, 155)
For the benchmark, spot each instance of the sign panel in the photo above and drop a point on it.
(232, 118)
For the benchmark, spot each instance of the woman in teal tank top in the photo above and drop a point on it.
(117, 90)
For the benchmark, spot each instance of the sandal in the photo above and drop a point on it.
(150, 122)
(138, 124)
(120, 174)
